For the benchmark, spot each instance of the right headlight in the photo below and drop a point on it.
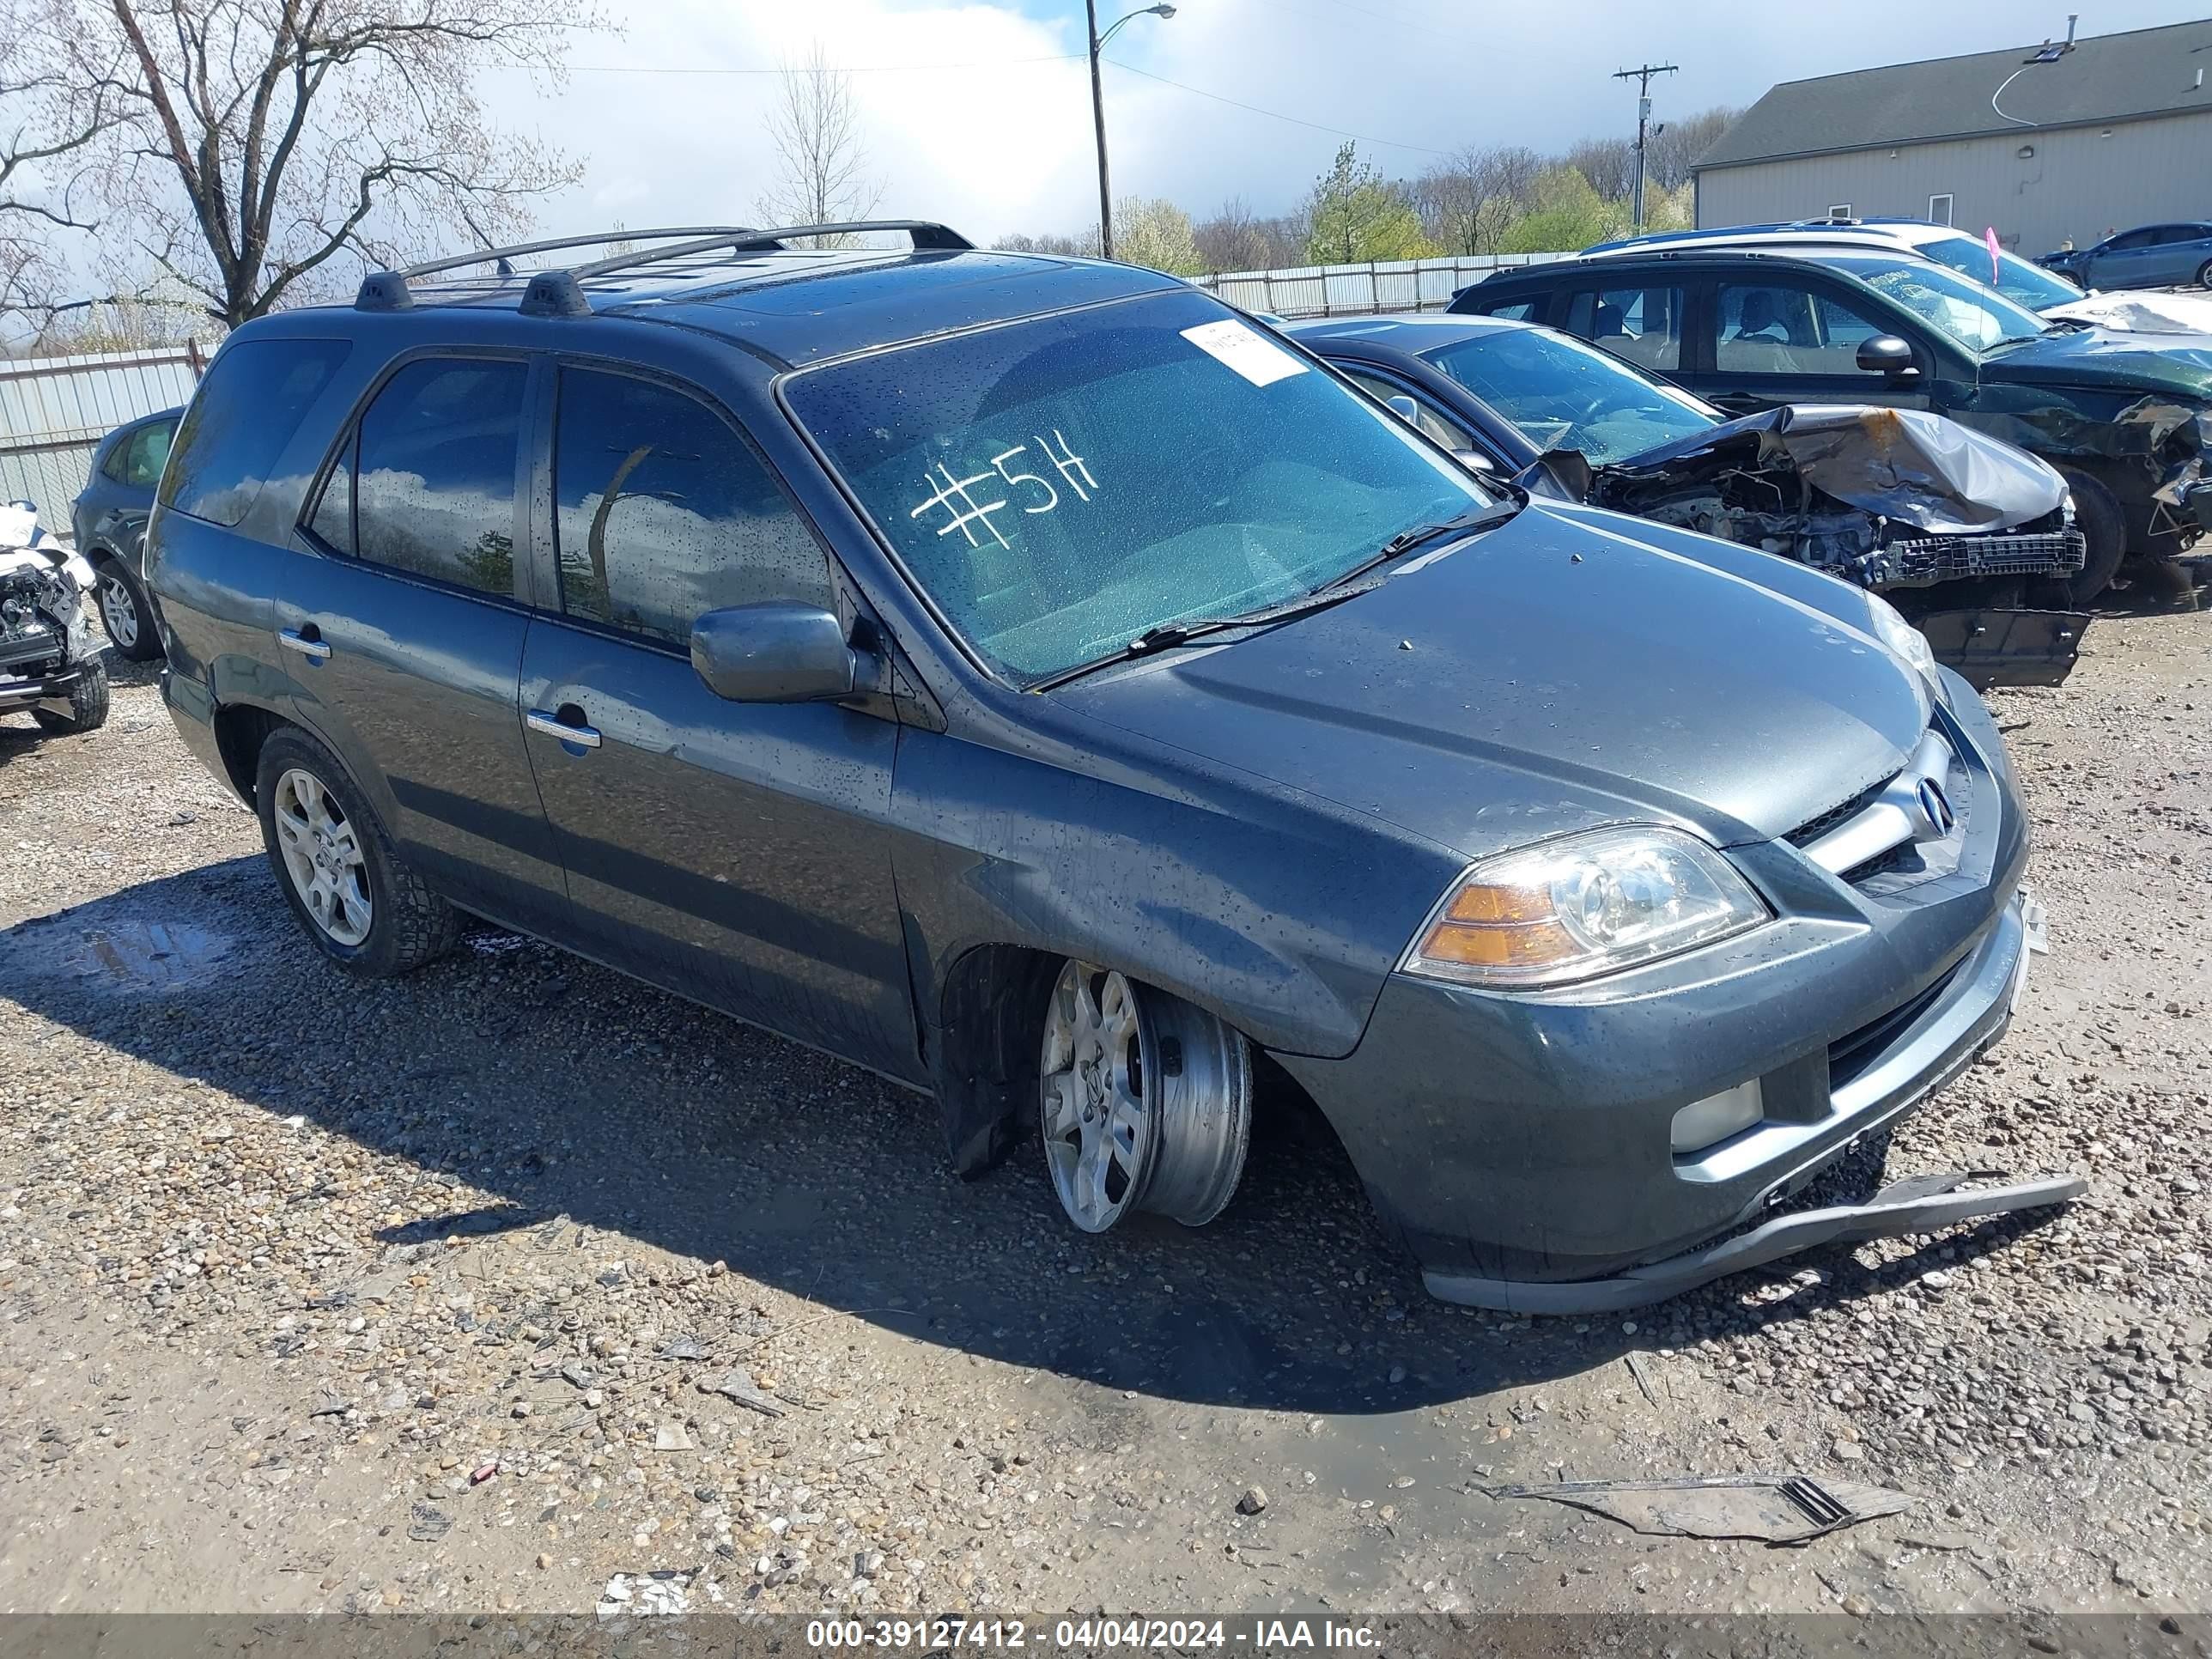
(1581, 905)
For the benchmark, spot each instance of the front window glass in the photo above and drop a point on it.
(1975, 317)
(1785, 329)
(1061, 485)
(661, 513)
(1562, 394)
(2019, 280)
(1644, 325)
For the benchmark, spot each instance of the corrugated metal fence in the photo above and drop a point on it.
(55, 411)
(1354, 290)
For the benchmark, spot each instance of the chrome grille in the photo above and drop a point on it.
(1895, 825)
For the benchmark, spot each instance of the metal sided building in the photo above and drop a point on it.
(2043, 143)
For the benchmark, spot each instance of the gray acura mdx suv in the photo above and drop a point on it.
(1027, 678)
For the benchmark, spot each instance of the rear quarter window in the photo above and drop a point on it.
(256, 393)
(1516, 311)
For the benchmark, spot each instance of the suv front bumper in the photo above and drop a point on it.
(1521, 1142)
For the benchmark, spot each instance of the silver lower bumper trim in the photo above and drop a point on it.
(1906, 1207)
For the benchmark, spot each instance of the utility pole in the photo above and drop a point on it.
(1098, 106)
(1643, 79)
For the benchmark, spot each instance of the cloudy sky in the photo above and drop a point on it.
(979, 113)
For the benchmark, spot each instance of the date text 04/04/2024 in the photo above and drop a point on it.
(1258, 1635)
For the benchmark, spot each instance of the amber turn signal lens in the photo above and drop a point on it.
(1533, 945)
(1480, 903)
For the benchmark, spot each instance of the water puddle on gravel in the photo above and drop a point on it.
(122, 957)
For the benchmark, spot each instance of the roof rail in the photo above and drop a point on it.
(558, 293)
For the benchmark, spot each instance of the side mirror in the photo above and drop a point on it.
(1885, 354)
(1474, 460)
(776, 653)
(1403, 407)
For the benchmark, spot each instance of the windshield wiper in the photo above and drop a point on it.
(1464, 524)
(1167, 636)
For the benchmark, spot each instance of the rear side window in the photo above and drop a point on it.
(427, 483)
(138, 459)
(254, 397)
(662, 511)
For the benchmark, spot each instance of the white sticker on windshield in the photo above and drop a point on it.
(1245, 351)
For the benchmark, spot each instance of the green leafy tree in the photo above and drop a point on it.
(1357, 215)
(1155, 233)
(1565, 215)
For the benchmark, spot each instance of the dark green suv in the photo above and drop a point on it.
(2127, 419)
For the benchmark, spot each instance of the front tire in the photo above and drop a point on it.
(87, 700)
(1144, 1101)
(2103, 527)
(125, 612)
(362, 907)
(2205, 275)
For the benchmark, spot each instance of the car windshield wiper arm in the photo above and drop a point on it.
(1465, 523)
(1166, 637)
(1168, 634)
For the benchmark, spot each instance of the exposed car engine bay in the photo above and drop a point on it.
(50, 658)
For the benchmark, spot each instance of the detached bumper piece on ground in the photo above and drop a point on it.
(49, 660)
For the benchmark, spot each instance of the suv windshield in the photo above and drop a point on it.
(1562, 394)
(1975, 316)
(2018, 280)
(1063, 485)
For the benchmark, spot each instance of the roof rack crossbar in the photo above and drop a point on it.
(558, 293)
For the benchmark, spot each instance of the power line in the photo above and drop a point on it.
(855, 68)
(1276, 114)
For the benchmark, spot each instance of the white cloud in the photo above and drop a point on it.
(997, 149)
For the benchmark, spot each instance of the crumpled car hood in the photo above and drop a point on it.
(1904, 464)
(2101, 359)
(2138, 313)
(1570, 668)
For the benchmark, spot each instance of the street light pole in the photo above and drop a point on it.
(1098, 107)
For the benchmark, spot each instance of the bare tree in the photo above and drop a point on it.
(49, 118)
(816, 128)
(1609, 164)
(1472, 198)
(256, 140)
(1672, 151)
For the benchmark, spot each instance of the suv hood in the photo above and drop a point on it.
(2103, 360)
(1568, 669)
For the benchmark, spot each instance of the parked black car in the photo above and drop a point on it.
(2147, 256)
(2127, 419)
(110, 516)
(1027, 678)
(1962, 531)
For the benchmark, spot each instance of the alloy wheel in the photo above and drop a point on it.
(1099, 1128)
(323, 857)
(118, 612)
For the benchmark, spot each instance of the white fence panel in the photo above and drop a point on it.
(1356, 290)
(55, 411)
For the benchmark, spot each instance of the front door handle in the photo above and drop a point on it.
(1743, 403)
(306, 639)
(567, 723)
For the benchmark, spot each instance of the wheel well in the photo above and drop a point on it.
(241, 729)
(983, 1049)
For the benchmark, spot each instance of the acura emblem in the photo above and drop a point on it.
(1935, 808)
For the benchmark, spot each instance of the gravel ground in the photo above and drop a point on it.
(516, 1285)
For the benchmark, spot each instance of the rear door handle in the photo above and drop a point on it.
(308, 640)
(1743, 403)
(566, 724)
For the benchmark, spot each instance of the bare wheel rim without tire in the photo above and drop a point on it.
(118, 611)
(323, 857)
(1146, 1102)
